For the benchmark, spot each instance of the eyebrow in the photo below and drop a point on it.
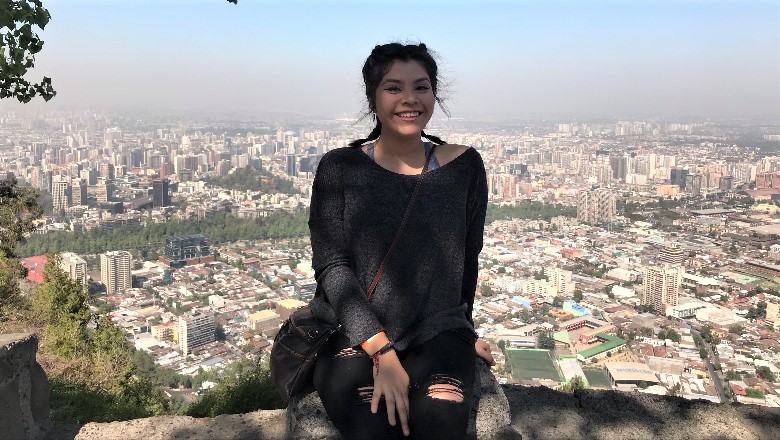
(399, 81)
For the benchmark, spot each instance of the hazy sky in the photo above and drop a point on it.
(513, 58)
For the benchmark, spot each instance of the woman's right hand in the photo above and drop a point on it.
(392, 382)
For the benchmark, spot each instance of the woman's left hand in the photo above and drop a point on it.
(483, 350)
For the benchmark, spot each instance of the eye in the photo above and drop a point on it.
(423, 88)
(393, 89)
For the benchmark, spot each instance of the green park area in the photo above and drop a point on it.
(530, 364)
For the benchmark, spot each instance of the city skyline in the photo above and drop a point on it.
(499, 58)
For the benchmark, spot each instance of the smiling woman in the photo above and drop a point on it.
(399, 214)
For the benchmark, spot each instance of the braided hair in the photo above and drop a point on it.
(376, 67)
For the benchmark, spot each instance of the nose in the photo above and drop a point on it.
(410, 99)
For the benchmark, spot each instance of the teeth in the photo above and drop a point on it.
(409, 115)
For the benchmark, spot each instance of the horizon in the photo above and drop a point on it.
(500, 59)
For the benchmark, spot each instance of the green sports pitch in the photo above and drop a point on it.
(532, 364)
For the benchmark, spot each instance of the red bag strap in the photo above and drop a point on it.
(400, 230)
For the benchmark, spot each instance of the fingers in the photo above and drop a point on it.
(403, 413)
(390, 402)
(375, 400)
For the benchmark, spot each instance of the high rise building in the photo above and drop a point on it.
(671, 254)
(60, 199)
(196, 329)
(596, 206)
(678, 176)
(662, 286)
(115, 271)
(291, 171)
(104, 191)
(693, 184)
(107, 171)
(74, 266)
(160, 193)
(78, 192)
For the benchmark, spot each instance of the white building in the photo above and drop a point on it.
(196, 329)
(74, 266)
(662, 286)
(115, 271)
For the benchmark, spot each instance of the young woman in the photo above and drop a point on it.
(403, 362)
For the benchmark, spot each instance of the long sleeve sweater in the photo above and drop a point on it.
(429, 282)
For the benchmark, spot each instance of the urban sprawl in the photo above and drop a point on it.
(632, 255)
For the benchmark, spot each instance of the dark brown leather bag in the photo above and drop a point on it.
(302, 335)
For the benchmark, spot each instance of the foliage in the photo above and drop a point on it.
(19, 209)
(557, 301)
(251, 178)
(220, 229)
(675, 390)
(670, 334)
(91, 372)
(736, 329)
(576, 383)
(19, 46)
(530, 210)
(766, 374)
(703, 353)
(252, 390)
(754, 393)
(545, 340)
(577, 296)
(11, 273)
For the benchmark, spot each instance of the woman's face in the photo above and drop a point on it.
(404, 99)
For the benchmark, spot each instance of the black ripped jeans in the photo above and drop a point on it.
(344, 380)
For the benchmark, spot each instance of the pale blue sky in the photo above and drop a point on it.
(512, 58)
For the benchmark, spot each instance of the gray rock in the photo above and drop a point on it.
(24, 401)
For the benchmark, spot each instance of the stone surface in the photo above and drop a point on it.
(259, 425)
(541, 413)
(536, 412)
(24, 402)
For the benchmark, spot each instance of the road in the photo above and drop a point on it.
(714, 375)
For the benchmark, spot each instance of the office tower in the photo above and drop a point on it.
(90, 176)
(671, 254)
(44, 182)
(662, 286)
(115, 271)
(693, 184)
(104, 191)
(596, 206)
(678, 176)
(161, 196)
(74, 266)
(291, 165)
(59, 195)
(196, 329)
(619, 167)
(727, 183)
(107, 171)
(78, 192)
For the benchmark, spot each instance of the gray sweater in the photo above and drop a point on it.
(429, 283)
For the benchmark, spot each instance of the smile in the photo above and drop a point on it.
(408, 115)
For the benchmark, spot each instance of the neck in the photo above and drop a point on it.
(399, 146)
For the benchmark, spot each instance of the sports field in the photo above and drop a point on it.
(532, 364)
(597, 378)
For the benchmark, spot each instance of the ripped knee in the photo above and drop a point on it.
(348, 352)
(365, 394)
(443, 387)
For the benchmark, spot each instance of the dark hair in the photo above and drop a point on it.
(376, 67)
